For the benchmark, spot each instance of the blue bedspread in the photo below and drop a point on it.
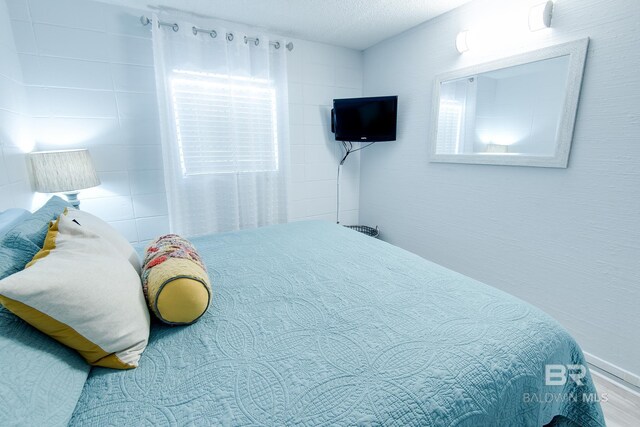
(313, 324)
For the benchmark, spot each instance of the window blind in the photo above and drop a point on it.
(224, 124)
(449, 127)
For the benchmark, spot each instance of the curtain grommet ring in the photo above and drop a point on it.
(229, 37)
(212, 33)
(175, 27)
(256, 41)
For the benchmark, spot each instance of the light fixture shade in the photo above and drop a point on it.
(462, 41)
(62, 171)
(540, 16)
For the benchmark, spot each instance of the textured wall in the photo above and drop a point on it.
(318, 74)
(89, 81)
(88, 70)
(14, 136)
(566, 240)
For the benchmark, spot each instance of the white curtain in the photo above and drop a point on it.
(224, 126)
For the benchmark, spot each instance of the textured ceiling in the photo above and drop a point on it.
(357, 24)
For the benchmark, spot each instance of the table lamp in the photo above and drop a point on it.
(65, 172)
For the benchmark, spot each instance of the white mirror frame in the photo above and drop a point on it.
(577, 51)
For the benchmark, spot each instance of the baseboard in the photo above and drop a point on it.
(600, 377)
(620, 374)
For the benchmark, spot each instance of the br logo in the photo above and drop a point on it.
(559, 374)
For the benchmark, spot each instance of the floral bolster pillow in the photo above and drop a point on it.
(175, 280)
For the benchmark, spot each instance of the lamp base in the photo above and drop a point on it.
(72, 198)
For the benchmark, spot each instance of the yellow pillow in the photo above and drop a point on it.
(175, 281)
(82, 292)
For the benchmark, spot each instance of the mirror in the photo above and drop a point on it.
(518, 111)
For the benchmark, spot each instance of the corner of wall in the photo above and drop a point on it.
(15, 138)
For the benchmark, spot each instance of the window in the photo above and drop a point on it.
(224, 124)
(449, 127)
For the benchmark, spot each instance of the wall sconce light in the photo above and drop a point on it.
(540, 16)
(462, 41)
(539, 19)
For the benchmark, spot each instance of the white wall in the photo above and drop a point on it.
(566, 240)
(88, 68)
(90, 84)
(319, 73)
(14, 136)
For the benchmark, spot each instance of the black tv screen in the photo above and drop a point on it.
(365, 119)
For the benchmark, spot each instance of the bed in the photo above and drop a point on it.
(311, 324)
(314, 324)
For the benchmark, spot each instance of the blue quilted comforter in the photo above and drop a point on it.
(313, 324)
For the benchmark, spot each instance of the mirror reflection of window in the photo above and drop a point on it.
(455, 116)
(449, 126)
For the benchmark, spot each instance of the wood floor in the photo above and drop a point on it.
(622, 408)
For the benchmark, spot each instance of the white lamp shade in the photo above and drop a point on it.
(62, 171)
(540, 16)
(462, 41)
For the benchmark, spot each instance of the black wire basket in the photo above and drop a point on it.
(364, 229)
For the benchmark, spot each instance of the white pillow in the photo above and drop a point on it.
(101, 228)
(80, 291)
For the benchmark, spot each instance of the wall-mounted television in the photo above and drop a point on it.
(365, 119)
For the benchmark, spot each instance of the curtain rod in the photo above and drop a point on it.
(229, 36)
